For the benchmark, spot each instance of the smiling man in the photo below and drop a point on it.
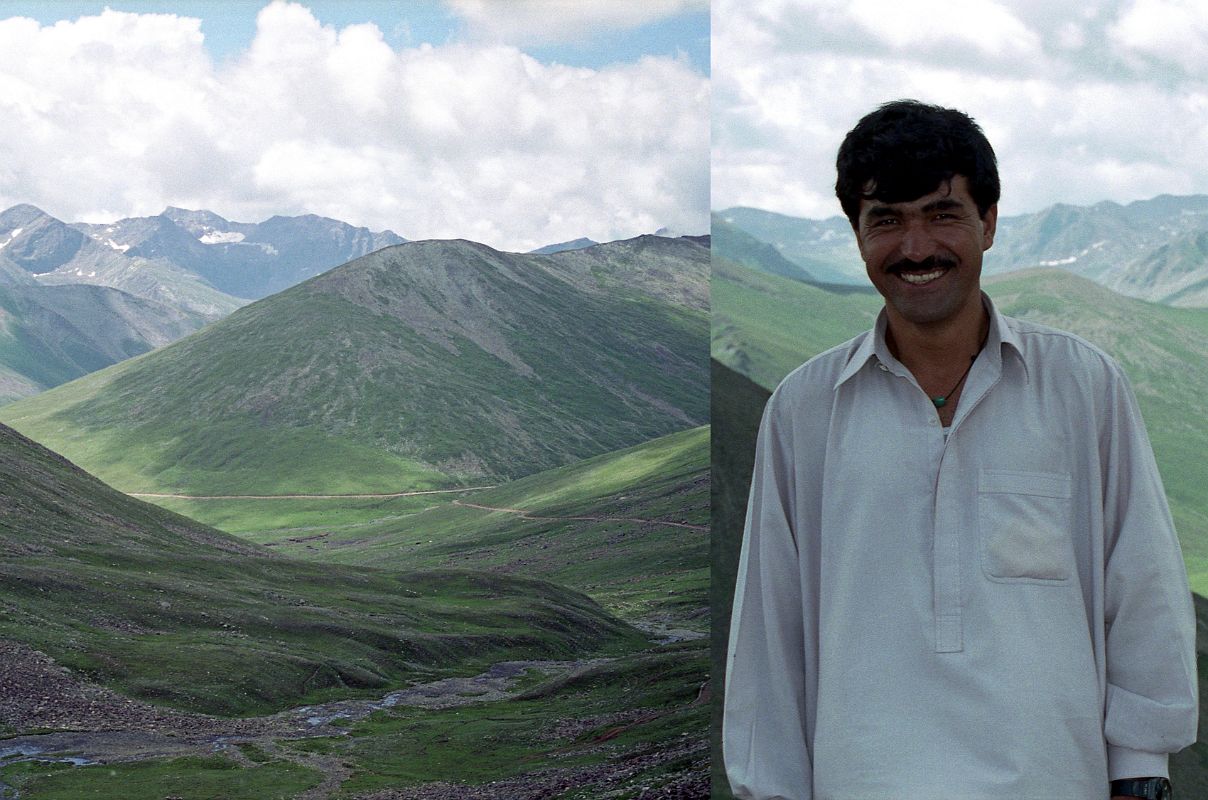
(959, 576)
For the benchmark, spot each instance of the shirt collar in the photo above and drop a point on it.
(873, 347)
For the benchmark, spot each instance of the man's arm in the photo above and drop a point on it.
(1152, 697)
(764, 731)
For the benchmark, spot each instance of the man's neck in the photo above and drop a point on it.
(932, 350)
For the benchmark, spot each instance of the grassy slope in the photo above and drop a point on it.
(764, 326)
(277, 519)
(636, 570)
(164, 609)
(52, 334)
(361, 379)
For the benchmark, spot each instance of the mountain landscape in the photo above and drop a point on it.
(361, 380)
(1154, 250)
(459, 544)
(164, 277)
(52, 334)
(247, 261)
(141, 634)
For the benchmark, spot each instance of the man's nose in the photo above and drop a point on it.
(917, 243)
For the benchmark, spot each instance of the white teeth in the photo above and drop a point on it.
(919, 278)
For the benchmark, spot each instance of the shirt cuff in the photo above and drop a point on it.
(1125, 763)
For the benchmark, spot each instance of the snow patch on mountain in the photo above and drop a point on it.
(16, 232)
(220, 237)
(1059, 262)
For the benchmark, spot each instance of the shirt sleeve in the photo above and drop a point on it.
(764, 739)
(1152, 696)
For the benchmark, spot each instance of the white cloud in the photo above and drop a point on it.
(123, 114)
(983, 25)
(1167, 31)
(1074, 113)
(522, 22)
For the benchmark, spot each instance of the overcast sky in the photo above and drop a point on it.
(1083, 102)
(516, 123)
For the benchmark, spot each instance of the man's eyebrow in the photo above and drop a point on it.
(938, 204)
(876, 212)
(943, 204)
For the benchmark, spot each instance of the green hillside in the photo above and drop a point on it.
(52, 334)
(363, 379)
(596, 526)
(161, 608)
(764, 326)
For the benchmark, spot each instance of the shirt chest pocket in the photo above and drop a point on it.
(1024, 526)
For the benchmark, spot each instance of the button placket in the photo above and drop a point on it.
(947, 561)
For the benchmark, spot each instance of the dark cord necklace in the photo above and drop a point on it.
(942, 399)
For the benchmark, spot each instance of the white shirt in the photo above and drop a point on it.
(1002, 612)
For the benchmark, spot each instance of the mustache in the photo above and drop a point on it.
(926, 265)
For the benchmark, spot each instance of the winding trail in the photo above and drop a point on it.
(529, 515)
(522, 513)
(306, 496)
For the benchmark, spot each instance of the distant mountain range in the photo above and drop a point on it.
(191, 250)
(1154, 250)
(52, 334)
(78, 297)
(420, 365)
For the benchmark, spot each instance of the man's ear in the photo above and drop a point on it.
(989, 224)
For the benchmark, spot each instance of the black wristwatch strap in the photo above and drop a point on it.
(1147, 788)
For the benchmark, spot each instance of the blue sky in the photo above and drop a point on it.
(230, 25)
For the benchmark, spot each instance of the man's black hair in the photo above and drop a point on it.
(906, 149)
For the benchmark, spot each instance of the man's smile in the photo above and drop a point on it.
(921, 278)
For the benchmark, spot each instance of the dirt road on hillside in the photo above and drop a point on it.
(305, 496)
(529, 515)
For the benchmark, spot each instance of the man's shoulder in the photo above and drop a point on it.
(1043, 346)
(817, 377)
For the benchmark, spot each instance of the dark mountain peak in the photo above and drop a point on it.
(282, 221)
(187, 218)
(36, 241)
(574, 244)
(22, 214)
(649, 242)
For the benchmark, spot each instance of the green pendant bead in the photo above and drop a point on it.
(939, 401)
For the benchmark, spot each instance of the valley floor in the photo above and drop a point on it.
(120, 748)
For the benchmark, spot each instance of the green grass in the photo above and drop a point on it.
(493, 741)
(278, 520)
(633, 569)
(166, 610)
(765, 326)
(193, 778)
(475, 743)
